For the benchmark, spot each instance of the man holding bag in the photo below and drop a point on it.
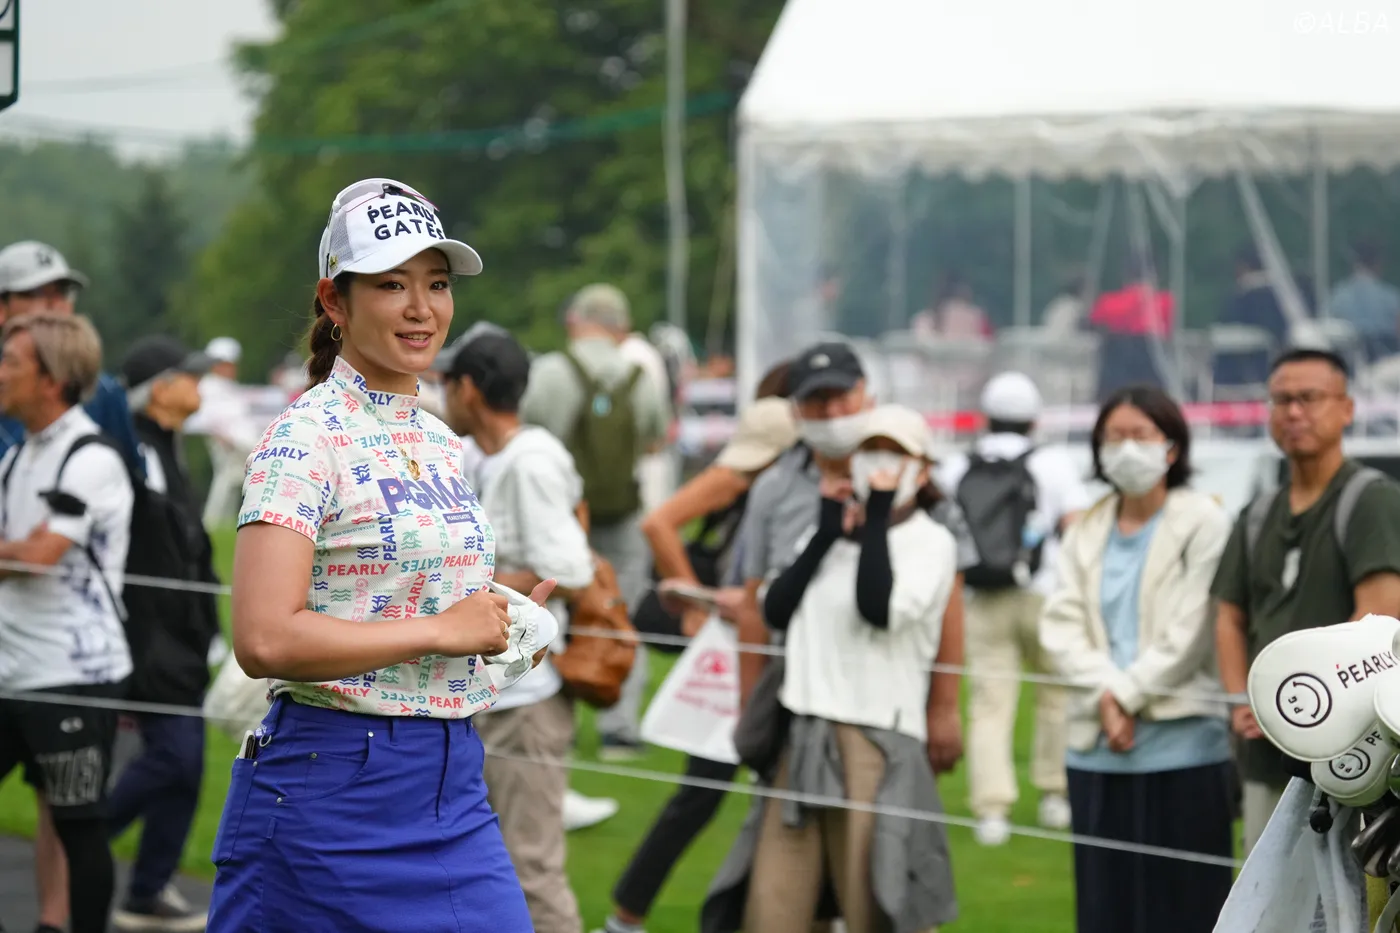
(530, 490)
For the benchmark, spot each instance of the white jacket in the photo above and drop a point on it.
(1176, 621)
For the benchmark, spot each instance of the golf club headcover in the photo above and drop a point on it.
(1387, 704)
(1313, 691)
(1361, 775)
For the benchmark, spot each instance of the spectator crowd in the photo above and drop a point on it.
(828, 527)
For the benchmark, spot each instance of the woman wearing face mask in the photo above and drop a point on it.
(866, 611)
(1149, 753)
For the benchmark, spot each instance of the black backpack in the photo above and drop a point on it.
(998, 496)
(168, 630)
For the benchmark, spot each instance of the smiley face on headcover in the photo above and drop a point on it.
(1359, 776)
(1313, 691)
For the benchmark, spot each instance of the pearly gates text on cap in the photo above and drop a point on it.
(419, 220)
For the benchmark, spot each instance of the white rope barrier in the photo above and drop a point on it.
(681, 641)
(664, 777)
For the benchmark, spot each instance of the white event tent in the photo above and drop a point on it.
(867, 92)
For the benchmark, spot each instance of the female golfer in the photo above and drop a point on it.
(358, 804)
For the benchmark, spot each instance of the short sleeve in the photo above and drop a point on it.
(1373, 532)
(551, 398)
(291, 478)
(96, 476)
(753, 531)
(556, 544)
(1231, 583)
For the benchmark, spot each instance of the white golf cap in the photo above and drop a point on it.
(224, 350)
(904, 426)
(1012, 397)
(28, 265)
(378, 224)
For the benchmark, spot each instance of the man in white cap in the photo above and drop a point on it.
(34, 277)
(1017, 498)
(225, 419)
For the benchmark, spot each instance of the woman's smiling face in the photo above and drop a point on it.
(394, 323)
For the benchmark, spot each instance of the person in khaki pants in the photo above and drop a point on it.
(1003, 622)
(530, 490)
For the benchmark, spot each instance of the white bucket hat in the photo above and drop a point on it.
(378, 224)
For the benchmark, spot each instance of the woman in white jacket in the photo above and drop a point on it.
(1149, 746)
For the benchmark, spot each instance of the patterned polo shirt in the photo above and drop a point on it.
(376, 483)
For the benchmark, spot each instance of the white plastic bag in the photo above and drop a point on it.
(1295, 880)
(236, 703)
(697, 707)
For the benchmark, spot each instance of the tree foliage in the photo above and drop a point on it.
(547, 217)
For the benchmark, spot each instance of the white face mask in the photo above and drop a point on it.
(1134, 467)
(866, 463)
(832, 437)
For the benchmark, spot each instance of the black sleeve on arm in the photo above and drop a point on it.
(874, 578)
(785, 593)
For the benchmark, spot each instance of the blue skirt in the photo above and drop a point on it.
(342, 821)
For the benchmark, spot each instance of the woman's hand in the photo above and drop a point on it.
(887, 480)
(1243, 722)
(478, 624)
(945, 742)
(1117, 724)
(693, 620)
(835, 487)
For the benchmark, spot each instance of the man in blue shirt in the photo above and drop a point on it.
(35, 277)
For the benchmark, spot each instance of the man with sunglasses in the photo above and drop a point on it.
(1321, 550)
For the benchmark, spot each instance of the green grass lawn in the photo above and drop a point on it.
(1025, 886)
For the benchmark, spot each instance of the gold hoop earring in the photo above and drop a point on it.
(335, 332)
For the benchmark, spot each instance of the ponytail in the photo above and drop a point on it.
(321, 341)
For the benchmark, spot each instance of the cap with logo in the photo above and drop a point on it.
(1011, 397)
(825, 367)
(378, 224)
(28, 265)
(496, 363)
(224, 350)
(765, 429)
(156, 355)
(904, 426)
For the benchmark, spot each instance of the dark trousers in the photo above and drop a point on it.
(1122, 892)
(689, 810)
(161, 788)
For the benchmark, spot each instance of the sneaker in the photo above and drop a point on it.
(581, 812)
(612, 926)
(167, 912)
(1054, 812)
(992, 831)
(619, 749)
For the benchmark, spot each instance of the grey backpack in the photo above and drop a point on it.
(1351, 495)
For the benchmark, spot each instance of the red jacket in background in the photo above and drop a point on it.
(1134, 310)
